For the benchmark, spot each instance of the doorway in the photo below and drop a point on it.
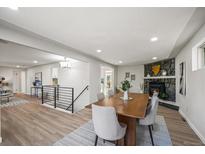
(107, 79)
(16, 82)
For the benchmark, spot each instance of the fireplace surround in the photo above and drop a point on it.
(165, 84)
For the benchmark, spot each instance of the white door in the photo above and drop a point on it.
(23, 82)
(107, 79)
(17, 82)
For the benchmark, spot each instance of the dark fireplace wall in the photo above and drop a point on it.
(170, 87)
(167, 65)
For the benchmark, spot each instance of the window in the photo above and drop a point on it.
(198, 56)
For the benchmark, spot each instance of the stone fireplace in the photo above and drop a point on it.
(165, 84)
(157, 86)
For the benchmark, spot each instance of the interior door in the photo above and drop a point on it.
(17, 82)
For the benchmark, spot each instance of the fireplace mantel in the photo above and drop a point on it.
(160, 77)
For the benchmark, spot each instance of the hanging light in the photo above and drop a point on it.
(65, 64)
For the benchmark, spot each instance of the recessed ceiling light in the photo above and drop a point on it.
(17, 66)
(154, 58)
(99, 51)
(35, 61)
(14, 8)
(120, 62)
(154, 39)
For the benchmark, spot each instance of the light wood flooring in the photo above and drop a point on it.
(35, 124)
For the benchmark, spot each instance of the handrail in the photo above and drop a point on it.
(86, 88)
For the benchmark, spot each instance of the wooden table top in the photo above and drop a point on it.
(135, 108)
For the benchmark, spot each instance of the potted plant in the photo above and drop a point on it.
(125, 87)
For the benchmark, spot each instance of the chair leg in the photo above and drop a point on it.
(150, 132)
(152, 127)
(116, 143)
(96, 140)
(123, 141)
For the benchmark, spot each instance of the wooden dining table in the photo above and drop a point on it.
(128, 112)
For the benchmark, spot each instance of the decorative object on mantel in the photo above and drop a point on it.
(148, 75)
(156, 69)
(182, 79)
(127, 75)
(125, 87)
(164, 72)
(132, 77)
(141, 88)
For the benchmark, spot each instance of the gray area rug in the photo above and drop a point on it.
(13, 102)
(85, 136)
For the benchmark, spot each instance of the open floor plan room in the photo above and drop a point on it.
(102, 76)
(34, 124)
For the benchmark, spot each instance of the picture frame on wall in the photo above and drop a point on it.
(38, 79)
(182, 78)
(132, 77)
(127, 74)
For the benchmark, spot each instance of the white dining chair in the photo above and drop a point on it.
(100, 96)
(110, 93)
(149, 120)
(106, 125)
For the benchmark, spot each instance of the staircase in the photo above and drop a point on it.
(60, 97)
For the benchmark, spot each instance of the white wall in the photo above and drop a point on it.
(46, 75)
(139, 76)
(77, 77)
(192, 106)
(17, 35)
(23, 81)
(8, 73)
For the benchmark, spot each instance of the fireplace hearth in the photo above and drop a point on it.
(166, 88)
(159, 87)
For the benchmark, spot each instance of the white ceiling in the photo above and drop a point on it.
(121, 33)
(12, 55)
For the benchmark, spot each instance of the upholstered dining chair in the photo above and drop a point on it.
(149, 120)
(106, 125)
(100, 96)
(110, 93)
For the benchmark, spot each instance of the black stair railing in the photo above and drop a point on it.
(61, 97)
(86, 88)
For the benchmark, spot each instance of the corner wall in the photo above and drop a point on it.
(139, 76)
(192, 106)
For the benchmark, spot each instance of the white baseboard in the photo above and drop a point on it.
(192, 127)
(0, 139)
(59, 109)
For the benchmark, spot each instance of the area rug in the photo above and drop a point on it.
(85, 136)
(13, 102)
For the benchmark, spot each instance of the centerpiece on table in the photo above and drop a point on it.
(125, 87)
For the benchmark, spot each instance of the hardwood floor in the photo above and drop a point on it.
(35, 124)
(180, 132)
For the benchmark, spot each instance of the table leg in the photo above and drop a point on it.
(130, 138)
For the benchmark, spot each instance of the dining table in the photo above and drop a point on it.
(128, 111)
